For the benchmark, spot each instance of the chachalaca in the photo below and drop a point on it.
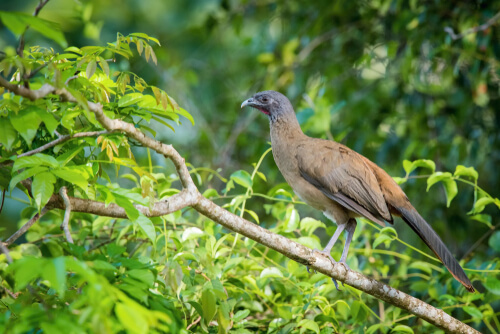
(340, 182)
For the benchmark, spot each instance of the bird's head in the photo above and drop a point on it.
(271, 103)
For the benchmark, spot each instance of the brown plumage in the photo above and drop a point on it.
(340, 182)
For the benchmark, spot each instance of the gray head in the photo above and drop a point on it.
(275, 105)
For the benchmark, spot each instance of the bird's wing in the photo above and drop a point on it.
(343, 176)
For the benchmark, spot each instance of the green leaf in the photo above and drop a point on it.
(466, 171)
(5, 176)
(424, 266)
(436, 177)
(450, 185)
(50, 122)
(27, 122)
(192, 233)
(310, 242)
(72, 176)
(402, 329)
(208, 304)
(26, 174)
(411, 166)
(240, 315)
(17, 22)
(26, 270)
(104, 65)
(292, 219)
(129, 99)
(91, 68)
(380, 239)
(133, 321)
(54, 271)
(253, 214)
(309, 225)
(8, 134)
(309, 324)
(242, 178)
(473, 312)
(38, 159)
(147, 227)
(43, 188)
(102, 265)
(494, 241)
(271, 272)
(483, 218)
(142, 275)
(184, 113)
(492, 284)
(127, 205)
(481, 203)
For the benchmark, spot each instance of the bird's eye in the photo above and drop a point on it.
(265, 99)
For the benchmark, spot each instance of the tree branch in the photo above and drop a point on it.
(190, 196)
(25, 227)
(20, 48)
(67, 212)
(473, 30)
(63, 139)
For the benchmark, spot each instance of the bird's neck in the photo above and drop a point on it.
(285, 130)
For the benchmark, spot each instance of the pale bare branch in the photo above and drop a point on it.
(473, 30)
(26, 227)
(67, 213)
(63, 139)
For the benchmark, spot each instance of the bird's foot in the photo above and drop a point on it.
(328, 255)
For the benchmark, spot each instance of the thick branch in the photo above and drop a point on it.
(174, 203)
(190, 196)
(473, 30)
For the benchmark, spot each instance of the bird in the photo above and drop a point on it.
(341, 183)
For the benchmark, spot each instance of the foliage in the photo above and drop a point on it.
(184, 273)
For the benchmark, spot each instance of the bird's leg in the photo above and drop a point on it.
(332, 241)
(350, 227)
(330, 244)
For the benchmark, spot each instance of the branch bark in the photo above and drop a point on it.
(190, 196)
(62, 139)
(67, 213)
(473, 30)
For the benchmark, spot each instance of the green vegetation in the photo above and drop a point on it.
(383, 77)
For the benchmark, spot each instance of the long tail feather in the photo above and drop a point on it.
(431, 239)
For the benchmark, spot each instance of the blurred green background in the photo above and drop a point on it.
(382, 77)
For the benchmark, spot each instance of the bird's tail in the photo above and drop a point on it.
(431, 239)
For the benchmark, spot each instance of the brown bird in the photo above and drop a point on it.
(340, 182)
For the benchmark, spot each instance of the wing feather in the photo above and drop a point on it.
(343, 176)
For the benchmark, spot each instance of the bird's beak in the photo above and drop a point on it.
(248, 102)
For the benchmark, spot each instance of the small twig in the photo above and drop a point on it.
(12, 294)
(5, 250)
(193, 323)
(67, 212)
(70, 78)
(136, 248)
(480, 241)
(304, 53)
(3, 200)
(63, 139)
(25, 227)
(473, 30)
(20, 48)
(34, 72)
